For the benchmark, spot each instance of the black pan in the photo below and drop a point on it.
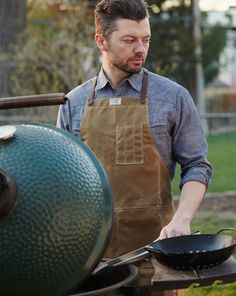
(195, 251)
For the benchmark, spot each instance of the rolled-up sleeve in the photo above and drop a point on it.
(189, 142)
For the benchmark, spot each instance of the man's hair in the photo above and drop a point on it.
(108, 11)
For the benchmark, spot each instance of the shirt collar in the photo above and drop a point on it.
(135, 80)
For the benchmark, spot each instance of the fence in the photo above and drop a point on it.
(47, 114)
(221, 108)
(220, 115)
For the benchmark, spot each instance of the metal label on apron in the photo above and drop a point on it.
(114, 101)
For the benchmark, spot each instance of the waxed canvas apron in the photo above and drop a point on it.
(117, 130)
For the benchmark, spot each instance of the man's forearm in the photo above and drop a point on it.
(190, 199)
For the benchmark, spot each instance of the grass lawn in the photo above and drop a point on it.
(214, 290)
(222, 155)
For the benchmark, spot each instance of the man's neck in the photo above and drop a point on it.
(114, 74)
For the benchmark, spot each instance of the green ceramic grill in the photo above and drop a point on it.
(55, 211)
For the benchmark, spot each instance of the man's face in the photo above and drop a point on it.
(128, 46)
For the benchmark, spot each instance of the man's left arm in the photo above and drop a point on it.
(191, 196)
(189, 149)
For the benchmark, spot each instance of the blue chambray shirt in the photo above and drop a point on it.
(174, 120)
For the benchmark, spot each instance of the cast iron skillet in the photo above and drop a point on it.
(195, 251)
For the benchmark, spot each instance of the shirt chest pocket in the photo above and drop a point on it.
(159, 126)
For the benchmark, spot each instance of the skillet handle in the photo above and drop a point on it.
(155, 249)
(131, 257)
(225, 229)
(196, 232)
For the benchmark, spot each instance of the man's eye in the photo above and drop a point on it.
(146, 41)
(128, 41)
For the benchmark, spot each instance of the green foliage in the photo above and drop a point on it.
(172, 47)
(211, 50)
(57, 52)
(171, 43)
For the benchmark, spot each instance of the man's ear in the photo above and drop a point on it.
(101, 42)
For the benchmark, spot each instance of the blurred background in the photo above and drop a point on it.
(48, 47)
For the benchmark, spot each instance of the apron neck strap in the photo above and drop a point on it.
(143, 89)
(92, 91)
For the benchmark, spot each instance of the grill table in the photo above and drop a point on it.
(165, 278)
(154, 278)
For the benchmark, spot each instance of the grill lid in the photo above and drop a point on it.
(57, 229)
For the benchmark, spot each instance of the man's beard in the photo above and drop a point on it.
(125, 67)
(129, 70)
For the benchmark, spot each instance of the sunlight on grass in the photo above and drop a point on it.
(213, 290)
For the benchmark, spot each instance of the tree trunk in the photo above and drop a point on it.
(12, 23)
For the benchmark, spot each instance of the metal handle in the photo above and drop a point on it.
(32, 101)
(225, 229)
(37, 101)
(8, 194)
(155, 249)
(130, 257)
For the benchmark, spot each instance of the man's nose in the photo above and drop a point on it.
(140, 48)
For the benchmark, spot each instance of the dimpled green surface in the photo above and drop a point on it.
(60, 225)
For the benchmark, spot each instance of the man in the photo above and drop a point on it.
(139, 124)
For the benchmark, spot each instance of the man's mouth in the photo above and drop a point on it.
(137, 61)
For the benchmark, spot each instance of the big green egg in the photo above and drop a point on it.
(57, 229)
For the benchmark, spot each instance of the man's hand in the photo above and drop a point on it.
(191, 196)
(175, 228)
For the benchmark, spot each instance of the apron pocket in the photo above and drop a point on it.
(136, 228)
(139, 227)
(129, 144)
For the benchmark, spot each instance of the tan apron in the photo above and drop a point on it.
(117, 130)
